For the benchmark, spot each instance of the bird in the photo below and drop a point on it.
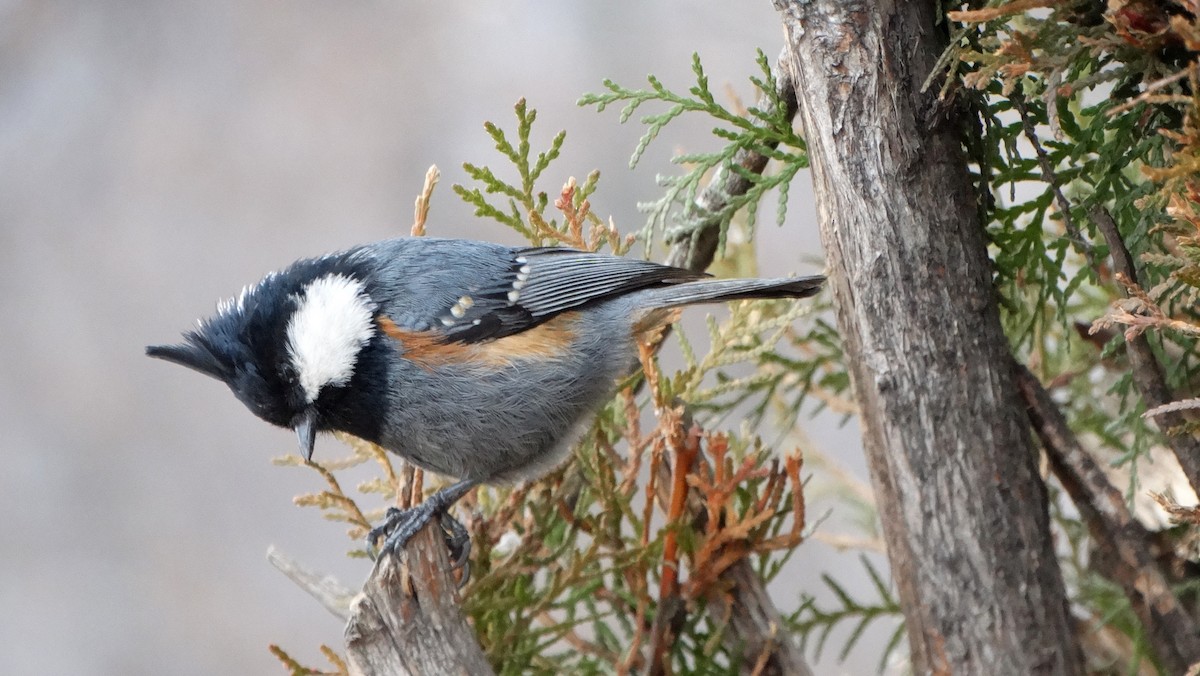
(474, 360)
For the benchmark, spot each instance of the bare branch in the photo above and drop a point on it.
(1051, 177)
(332, 594)
(1177, 512)
(1181, 405)
(421, 208)
(1121, 541)
(738, 601)
(1147, 372)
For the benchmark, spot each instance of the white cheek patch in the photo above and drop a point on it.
(332, 324)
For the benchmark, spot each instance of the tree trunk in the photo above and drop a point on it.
(964, 510)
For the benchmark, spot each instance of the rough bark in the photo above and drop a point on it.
(964, 510)
(407, 619)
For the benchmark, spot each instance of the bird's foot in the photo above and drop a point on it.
(400, 525)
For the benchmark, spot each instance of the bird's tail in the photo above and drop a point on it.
(721, 290)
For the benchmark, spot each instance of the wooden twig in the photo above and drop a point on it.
(1150, 89)
(1121, 541)
(1177, 512)
(1051, 177)
(754, 625)
(990, 13)
(332, 594)
(1147, 372)
(407, 619)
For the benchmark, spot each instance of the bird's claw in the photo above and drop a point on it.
(385, 527)
(400, 525)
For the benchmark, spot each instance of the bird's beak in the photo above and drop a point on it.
(306, 431)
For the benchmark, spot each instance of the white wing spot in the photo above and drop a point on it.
(327, 331)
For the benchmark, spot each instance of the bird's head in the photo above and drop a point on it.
(286, 346)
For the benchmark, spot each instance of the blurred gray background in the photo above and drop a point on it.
(155, 157)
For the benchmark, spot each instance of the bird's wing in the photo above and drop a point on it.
(540, 283)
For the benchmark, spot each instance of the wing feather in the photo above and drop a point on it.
(543, 282)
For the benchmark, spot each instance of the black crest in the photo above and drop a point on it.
(244, 343)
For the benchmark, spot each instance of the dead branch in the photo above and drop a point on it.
(738, 601)
(324, 588)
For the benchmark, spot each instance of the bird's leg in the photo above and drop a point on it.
(401, 524)
(458, 541)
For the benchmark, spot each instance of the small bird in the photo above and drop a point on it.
(470, 359)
